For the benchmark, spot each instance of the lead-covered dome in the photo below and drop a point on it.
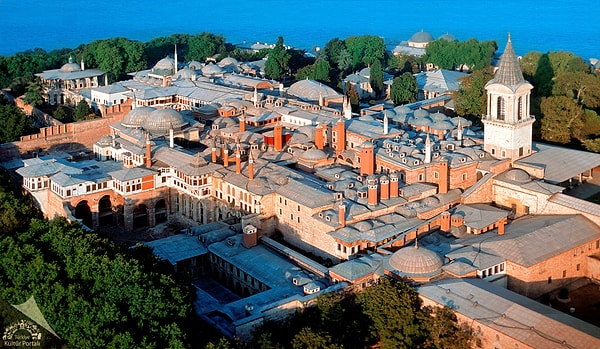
(421, 37)
(70, 67)
(164, 66)
(310, 90)
(409, 261)
(211, 70)
(313, 155)
(136, 116)
(160, 121)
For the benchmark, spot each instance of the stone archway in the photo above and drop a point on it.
(105, 211)
(160, 211)
(83, 212)
(140, 216)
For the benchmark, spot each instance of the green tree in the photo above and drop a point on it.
(394, 309)
(376, 77)
(14, 123)
(403, 63)
(562, 120)
(470, 99)
(581, 86)
(365, 50)
(277, 64)
(35, 94)
(451, 54)
(82, 111)
(404, 89)
(202, 46)
(307, 338)
(444, 331)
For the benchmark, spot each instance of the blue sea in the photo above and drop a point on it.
(572, 25)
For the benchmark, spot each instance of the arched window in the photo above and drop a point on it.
(520, 110)
(501, 109)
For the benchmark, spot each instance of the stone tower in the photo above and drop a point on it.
(507, 123)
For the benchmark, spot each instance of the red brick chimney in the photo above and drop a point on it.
(148, 159)
(250, 169)
(367, 158)
(342, 214)
(372, 190)
(445, 221)
(443, 184)
(501, 226)
(341, 136)
(242, 119)
(214, 154)
(385, 187)
(250, 236)
(319, 140)
(278, 135)
(225, 156)
(238, 161)
(394, 185)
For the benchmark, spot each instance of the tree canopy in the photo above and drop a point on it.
(365, 50)
(277, 64)
(453, 54)
(94, 293)
(13, 122)
(470, 99)
(388, 314)
(404, 89)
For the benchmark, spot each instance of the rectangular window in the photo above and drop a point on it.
(564, 273)
(578, 266)
(549, 279)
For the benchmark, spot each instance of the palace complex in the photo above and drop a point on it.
(285, 193)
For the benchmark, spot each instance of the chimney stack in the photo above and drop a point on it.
(342, 214)
(278, 135)
(319, 141)
(385, 187)
(372, 190)
(394, 185)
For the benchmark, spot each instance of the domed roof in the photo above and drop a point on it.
(402, 109)
(310, 90)
(136, 116)
(186, 74)
(363, 226)
(424, 121)
(211, 69)
(443, 125)
(448, 37)
(227, 61)
(437, 116)
(421, 37)
(420, 113)
(410, 261)
(195, 65)
(313, 155)
(518, 175)
(165, 65)
(70, 67)
(160, 121)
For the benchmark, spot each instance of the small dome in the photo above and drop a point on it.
(70, 67)
(449, 37)
(136, 116)
(228, 61)
(160, 121)
(195, 65)
(363, 226)
(420, 113)
(421, 37)
(165, 66)
(443, 125)
(402, 109)
(410, 261)
(437, 116)
(518, 175)
(425, 121)
(310, 90)
(211, 70)
(313, 155)
(186, 74)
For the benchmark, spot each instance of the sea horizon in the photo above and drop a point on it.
(556, 26)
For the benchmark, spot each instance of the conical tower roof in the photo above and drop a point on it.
(508, 73)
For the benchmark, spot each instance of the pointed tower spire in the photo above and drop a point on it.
(459, 133)
(508, 73)
(82, 65)
(386, 125)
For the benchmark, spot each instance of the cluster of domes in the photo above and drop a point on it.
(156, 121)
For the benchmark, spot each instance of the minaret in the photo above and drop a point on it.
(148, 157)
(82, 65)
(347, 108)
(255, 97)
(427, 149)
(459, 131)
(386, 127)
(507, 124)
(321, 101)
(175, 59)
